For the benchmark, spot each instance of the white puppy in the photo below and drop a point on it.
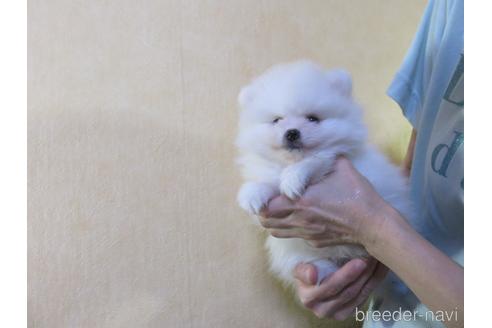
(295, 120)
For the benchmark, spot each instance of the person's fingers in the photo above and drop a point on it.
(335, 283)
(306, 273)
(317, 241)
(306, 284)
(288, 233)
(347, 295)
(278, 207)
(308, 225)
(275, 223)
(346, 310)
(343, 163)
(303, 291)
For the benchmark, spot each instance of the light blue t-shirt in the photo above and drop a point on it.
(429, 89)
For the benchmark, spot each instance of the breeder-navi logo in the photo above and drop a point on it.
(406, 315)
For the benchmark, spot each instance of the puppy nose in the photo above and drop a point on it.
(292, 135)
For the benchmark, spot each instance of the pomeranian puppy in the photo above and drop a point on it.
(295, 120)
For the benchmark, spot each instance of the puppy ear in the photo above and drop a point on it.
(341, 81)
(245, 96)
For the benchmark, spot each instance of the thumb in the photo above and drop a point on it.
(306, 273)
(279, 207)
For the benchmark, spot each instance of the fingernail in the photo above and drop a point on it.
(301, 271)
(310, 274)
(305, 272)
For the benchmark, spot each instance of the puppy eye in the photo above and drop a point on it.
(312, 118)
(276, 120)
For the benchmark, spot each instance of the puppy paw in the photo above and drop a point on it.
(253, 196)
(293, 182)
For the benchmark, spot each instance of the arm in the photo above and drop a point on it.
(350, 286)
(436, 270)
(433, 277)
(345, 208)
(407, 161)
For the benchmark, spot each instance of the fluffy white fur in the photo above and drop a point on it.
(292, 97)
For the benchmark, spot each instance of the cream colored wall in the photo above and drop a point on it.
(132, 115)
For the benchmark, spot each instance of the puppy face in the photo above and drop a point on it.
(296, 110)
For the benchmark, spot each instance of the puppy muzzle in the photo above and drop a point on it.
(292, 139)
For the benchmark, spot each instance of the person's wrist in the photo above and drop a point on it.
(392, 228)
(373, 235)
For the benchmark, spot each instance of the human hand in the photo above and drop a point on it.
(343, 208)
(338, 295)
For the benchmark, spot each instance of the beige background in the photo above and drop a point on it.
(132, 116)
